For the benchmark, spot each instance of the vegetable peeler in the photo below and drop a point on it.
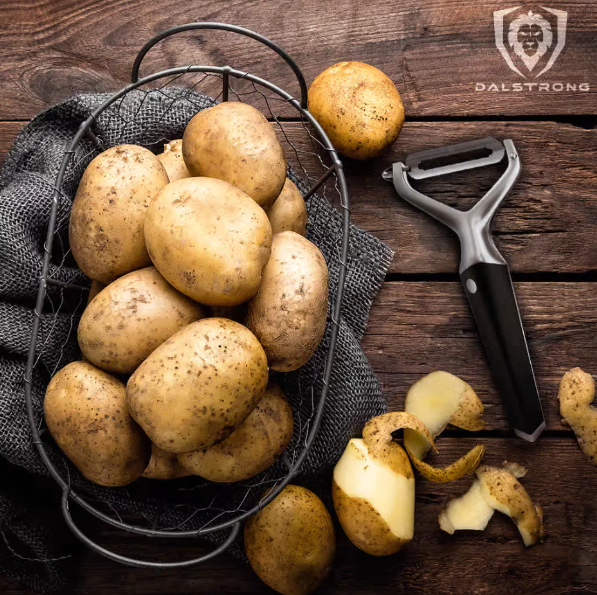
(484, 272)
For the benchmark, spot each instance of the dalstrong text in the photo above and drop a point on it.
(530, 86)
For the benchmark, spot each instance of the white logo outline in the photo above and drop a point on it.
(498, 23)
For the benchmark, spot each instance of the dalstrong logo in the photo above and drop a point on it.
(524, 38)
(530, 41)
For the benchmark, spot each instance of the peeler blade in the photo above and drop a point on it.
(454, 158)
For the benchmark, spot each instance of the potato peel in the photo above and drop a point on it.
(465, 465)
(506, 494)
(576, 395)
(439, 399)
(377, 435)
(495, 489)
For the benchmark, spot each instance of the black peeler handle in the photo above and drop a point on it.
(491, 297)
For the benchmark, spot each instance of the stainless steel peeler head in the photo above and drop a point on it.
(473, 226)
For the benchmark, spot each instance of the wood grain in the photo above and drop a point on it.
(435, 51)
(493, 562)
(416, 328)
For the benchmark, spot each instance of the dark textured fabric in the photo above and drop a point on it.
(27, 548)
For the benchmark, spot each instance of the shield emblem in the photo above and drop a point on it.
(528, 39)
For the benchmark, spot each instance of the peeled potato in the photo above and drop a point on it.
(576, 395)
(289, 212)
(374, 487)
(164, 465)
(495, 489)
(359, 108)
(253, 447)
(438, 399)
(291, 542)
(173, 161)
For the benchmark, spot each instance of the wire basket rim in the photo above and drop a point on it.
(68, 492)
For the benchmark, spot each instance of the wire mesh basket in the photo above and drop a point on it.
(152, 111)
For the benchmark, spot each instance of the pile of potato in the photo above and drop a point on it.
(203, 284)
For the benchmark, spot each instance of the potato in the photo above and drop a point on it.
(94, 289)
(374, 488)
(233, 141)
(359, 108)
(576, 395)
(199, 385)
(289, 212)
(164, 465)
(130, 318)
(253, 447)
(288, 313)
(495, 489)
(86, 414)
(106, 221)
(173, 161)
(291, 542)
(209, 240)
(439, 399)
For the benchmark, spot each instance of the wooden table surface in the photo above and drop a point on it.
(439, 53)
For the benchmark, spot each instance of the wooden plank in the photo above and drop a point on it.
(8, 131)
(493, 562)
(435, 52)
(416, 328)
(544, 226)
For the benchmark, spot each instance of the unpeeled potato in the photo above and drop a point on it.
(86, 414)
(132, 316)
(253, 447)
(289, 212)
(164, 465)
(173, 161)
(288, 313)
(106, 221)
(359, 108)
(291, 542)
(199, 385)
(233, 141)
(209, 240)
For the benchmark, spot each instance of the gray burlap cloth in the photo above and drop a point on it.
(31, 545)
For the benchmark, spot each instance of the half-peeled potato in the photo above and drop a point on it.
(374, 486)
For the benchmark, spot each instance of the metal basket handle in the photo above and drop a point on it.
(133, 561)
(223, 27)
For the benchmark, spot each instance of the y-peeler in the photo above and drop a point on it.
(483, 270)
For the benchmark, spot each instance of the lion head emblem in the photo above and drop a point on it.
(530, 37)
